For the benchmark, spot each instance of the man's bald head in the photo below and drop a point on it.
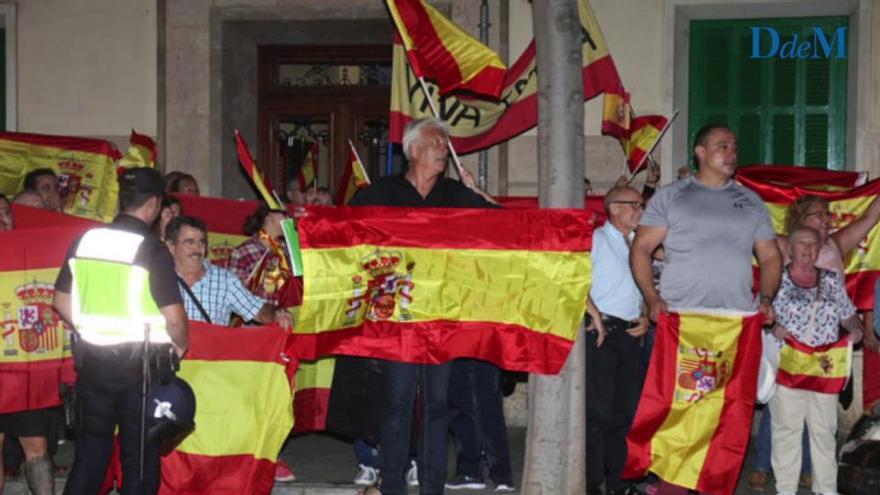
(624, 206)
(29, 198)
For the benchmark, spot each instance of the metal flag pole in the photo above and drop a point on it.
(656, 141)
(458, 167)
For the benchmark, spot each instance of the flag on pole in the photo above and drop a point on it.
(141, 152)
(354, 178)
(253, 172)
(643, 133)
(478, 123)
(694, 417)
(308, 172)
(822, 369)
(616, 112)
(441, 51)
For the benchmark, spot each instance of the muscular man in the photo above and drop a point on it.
(709, 227)
(614, 374)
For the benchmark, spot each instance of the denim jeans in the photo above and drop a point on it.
(477, 420)
(401, 380)
(765, 444)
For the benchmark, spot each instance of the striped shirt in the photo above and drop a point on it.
(221, 293)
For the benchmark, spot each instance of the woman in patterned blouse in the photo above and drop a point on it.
(810, 307)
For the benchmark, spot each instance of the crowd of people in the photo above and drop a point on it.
(689, 244)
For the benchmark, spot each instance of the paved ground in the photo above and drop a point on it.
(326, 466)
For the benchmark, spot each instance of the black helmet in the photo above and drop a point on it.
(173, 407)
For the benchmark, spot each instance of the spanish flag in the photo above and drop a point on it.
(431, 285)
(823, 369)
(35, 352)
(240, 427)
(641, 138)
(616, 112)
(354, 178)
(806, 177)
(695, 414)
(477, 123)
(141, 152)
(253, 172)
(862, 264)
(86, 170)
(308, 172)
(441, 51)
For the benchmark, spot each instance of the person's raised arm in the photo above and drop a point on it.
(849, 237)
(645, 243)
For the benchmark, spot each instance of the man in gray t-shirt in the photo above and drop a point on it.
(709, 227)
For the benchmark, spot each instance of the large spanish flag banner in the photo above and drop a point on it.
(440, 50)
(35, 344)
(242, 383)
(86, 170)
(862, 264)
(224, 219)
(823, 369)
(694, 417)
(476, 123)
(431, 285)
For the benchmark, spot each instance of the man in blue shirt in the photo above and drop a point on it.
(219, 292)
(614, 373)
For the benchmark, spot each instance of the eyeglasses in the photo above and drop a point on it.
(819, 213)
(634, 204)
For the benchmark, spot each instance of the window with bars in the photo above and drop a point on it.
(784, 111)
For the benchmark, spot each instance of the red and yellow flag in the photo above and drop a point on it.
(441, 51)
(35, 354)
(643, 133)
(478, 123)
(240, 427)
(253, 172)
(616, 113)
(86, 170)
(141, 152)
(862, 264)
(823, 369)
(308, 173)
(354, 178)
(431, 285)
(809, 178)
(695, 414)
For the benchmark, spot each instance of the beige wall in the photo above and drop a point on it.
(86, 67)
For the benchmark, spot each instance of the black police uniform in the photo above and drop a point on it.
(108, 384)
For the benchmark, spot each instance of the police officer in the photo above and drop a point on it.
(116, 285)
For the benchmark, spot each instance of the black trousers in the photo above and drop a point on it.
(103, 406)
(477, 420)
(614, 384)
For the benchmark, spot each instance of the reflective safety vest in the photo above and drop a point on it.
(110, 297)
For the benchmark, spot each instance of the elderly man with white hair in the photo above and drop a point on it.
(423, 185)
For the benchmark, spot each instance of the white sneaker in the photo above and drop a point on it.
(503, 488)
(366, 476)
(412, 474)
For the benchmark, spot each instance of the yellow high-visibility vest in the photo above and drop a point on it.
(111, 300)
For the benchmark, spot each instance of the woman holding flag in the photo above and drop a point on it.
(810, 307)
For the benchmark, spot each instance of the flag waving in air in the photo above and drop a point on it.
(253, 172)
(354, 178)
(440, 50)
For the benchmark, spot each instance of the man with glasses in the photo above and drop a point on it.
(709, 227)
(210, 293)
(614, 375)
